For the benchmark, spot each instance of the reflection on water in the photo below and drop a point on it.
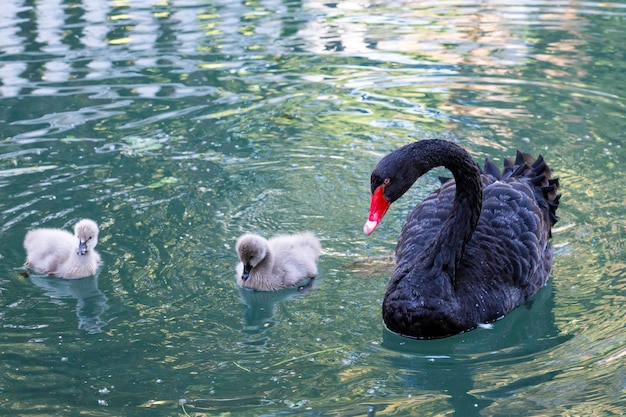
(260, 305)
(468, 359)
(259, 310)
(180, 125)
(91, 303)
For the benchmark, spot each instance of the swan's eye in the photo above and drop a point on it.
(386, 181)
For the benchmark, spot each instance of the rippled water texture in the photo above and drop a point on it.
(180, 125)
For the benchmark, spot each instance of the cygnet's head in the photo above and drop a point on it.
(87, 233)
(251, 250)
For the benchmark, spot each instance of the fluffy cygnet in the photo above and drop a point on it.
(59, 253)
(281, 262)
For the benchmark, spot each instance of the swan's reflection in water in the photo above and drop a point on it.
(454, 364)
(91, 303)
(259, 309)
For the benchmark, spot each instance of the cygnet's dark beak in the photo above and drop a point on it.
(82, 248)
(246, 271)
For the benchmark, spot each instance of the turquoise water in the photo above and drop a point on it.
(180, 125)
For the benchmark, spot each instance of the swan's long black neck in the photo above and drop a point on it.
(462, 221)
(448, 245)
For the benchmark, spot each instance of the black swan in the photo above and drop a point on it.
(473, 250)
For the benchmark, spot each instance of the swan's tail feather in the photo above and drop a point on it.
(538, 173)
(491, 169)
(554, 204)
(538, 180)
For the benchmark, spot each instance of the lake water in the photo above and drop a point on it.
(179, 125)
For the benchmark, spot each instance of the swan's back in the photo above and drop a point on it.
(296, 255)
(47, 249)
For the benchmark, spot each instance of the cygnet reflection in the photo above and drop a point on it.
(91, 303)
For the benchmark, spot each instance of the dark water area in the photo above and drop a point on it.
(178, 126)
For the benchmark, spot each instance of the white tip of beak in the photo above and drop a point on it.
(369, 227)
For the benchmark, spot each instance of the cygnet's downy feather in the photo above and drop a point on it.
(57, 252)
(281, 262)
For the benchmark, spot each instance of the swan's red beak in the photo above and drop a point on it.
(378, 208)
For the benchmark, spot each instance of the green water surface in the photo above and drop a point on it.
(180, 125)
